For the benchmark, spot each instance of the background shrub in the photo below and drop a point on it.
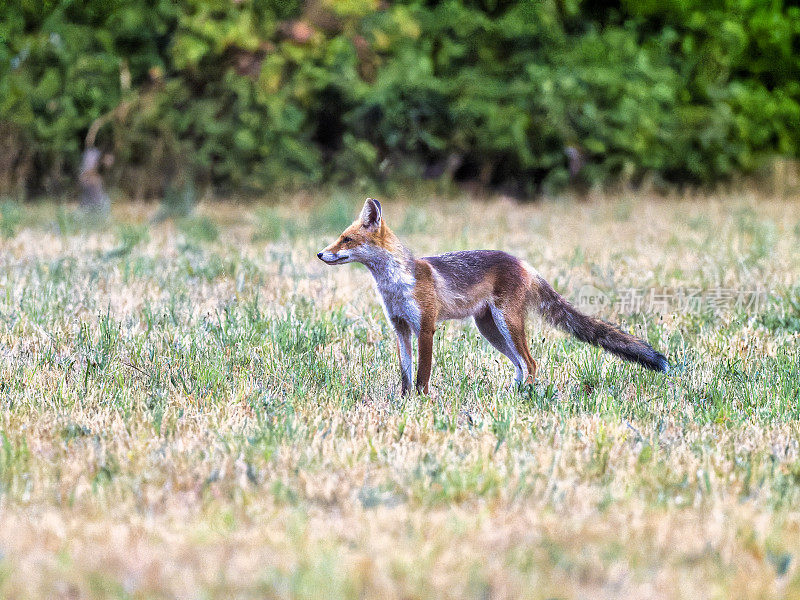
(256, 94)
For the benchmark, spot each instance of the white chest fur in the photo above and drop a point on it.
(395, 286)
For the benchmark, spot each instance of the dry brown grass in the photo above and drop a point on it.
(160, 438)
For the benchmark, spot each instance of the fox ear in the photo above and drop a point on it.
(371, 213)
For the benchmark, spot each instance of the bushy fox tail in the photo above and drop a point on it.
(558, 312)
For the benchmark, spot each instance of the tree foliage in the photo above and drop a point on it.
(250, 94)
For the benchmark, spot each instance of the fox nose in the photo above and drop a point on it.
(319, 255)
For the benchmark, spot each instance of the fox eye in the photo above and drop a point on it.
(346, 239)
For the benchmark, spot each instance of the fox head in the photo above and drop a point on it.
(362, 240)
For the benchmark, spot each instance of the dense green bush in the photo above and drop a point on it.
(253, 94)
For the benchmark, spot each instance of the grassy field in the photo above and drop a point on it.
(199, 408)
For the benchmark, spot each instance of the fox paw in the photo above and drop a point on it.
(517, 385)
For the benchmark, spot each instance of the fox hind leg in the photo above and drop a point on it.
(496, 337)
(516, 329)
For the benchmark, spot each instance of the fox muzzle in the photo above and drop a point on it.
(333, 258)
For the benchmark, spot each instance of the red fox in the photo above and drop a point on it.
(494, 288)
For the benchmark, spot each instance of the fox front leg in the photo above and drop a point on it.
(426, 297)
(403, 332)
(424, 360)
